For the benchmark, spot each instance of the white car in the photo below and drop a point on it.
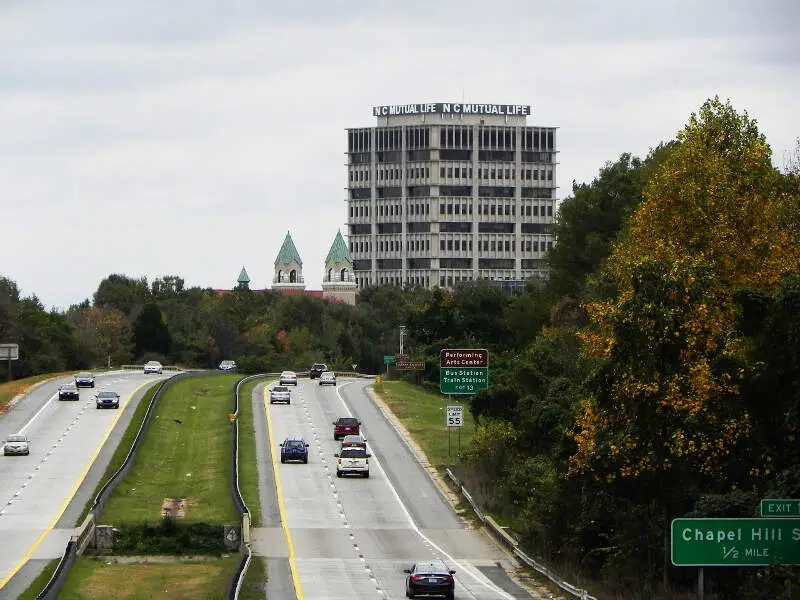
(227, 365)
(288, 378)
(16, 444)
(280, 393)
(153, 367)
(327, 378)
(352, 461)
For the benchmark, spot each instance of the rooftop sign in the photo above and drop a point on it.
(450, 108)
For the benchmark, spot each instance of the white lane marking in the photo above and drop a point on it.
(38, 412)
(476, 575)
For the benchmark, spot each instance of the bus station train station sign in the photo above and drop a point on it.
(463, 371)
(452, 108)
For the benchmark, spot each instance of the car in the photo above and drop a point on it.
(316, 370)
(227, 365)
(327, 378)
(288, 378)
(107, 399)
(16, 444)
(68, 391)
(294, 448)
(430, 577)
(280, 393)
(84, 380)
(352, 461)
(354, 441)
(153, 366)
(346, 426)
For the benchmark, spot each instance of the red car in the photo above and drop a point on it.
(346, 426)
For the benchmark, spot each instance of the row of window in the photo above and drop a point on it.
(448, 227)
(457, 191)
(451, 136)
(423, 208)
(459, 172)
(454, 245)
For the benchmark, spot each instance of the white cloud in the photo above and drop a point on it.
(153, 138)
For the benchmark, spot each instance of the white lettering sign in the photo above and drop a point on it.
(449, 108)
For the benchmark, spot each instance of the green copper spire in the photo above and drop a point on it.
(339, 251)
(288, 252)
(244, 278)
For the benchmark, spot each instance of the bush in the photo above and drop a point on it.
(169, 537)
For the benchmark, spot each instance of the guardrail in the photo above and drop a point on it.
(141, 368)
(238, 577)
(509, 542)
(83, 534)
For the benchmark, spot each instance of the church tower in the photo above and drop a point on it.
(339, 282)
(288, 268)
(243, 283)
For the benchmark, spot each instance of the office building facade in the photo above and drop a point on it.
(444, 193)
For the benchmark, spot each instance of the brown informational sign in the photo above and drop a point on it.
(463, 358)
(410, 365)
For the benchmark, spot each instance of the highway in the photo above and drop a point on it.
(66, 438)
(331, 538)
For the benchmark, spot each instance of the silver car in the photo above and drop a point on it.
(16, 444)
(288, 378)
(280, 393)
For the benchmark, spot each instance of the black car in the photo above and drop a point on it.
(84, 380)
(107, 399)
(316, 370)
(430, 577)
(68, 391)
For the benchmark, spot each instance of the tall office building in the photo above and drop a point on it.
(444, 193)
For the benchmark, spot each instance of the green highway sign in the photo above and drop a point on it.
(780, 508)
(389, 360)
(463, 380)
(735, 542)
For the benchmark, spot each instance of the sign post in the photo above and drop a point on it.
(454, 418)
(9, 352)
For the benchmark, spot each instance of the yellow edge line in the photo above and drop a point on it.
(298, 588)
(74, 489)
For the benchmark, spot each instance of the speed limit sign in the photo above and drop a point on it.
(455, 416)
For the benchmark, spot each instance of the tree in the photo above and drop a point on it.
(122, 292)
(150, 332)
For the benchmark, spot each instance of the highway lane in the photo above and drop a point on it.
(66, 437)
(352, 537)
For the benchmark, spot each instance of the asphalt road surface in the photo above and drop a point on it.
(335, 538)
(66, 439)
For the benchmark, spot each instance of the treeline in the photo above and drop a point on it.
(656, 374)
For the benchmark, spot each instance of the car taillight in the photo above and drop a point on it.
(449, 579)
(416, 578)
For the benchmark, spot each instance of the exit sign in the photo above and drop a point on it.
(780, 508)
(735, 542)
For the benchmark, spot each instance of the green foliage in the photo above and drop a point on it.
(151, 333)
(169, 537)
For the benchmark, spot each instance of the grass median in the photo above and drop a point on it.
(248, 457)
(186, 454)
(423, 415)
(11, 389)
(100, 578)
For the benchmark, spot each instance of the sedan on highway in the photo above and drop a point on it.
(228, 365)
(153, 366)
(327, 378)
(107, 400)
(430, 577)
(84, 380)
(68, 391)
(288, 378)
(294, 448)
(280, 393)
(16, 444)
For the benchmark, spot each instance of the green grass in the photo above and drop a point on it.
(122, 449)
(423, 414)
(10, 389)
(185, 454)
(36, 587)
(255, 580)
(96, 579)
(248, 465)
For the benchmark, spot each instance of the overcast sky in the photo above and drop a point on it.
(157, 137)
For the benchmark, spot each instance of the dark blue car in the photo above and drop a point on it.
(294, 449)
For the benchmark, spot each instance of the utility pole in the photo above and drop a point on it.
(402, 336)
